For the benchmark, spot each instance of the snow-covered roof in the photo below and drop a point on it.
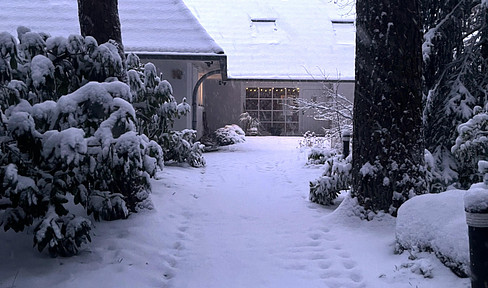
(281, 39)
(165, 26)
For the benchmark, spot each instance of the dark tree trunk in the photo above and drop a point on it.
(100, 19)
(387, 139)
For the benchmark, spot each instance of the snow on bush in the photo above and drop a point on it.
(336, 177)
(310, 140)
(230, 134)
(42, 71)
(472, 145)
(61, 133)
(157, 109)
(319, 156)
(180, 146)
(437, 223)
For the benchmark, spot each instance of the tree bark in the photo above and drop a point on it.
(387, 139)
(100, 19)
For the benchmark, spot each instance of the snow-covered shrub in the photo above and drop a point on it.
(319, 156)
(336, 177)
(180, 146)
(81, 146)
(310, 140)
(230, 134)
(55, 66)
(471, 146)
(250, 124)
(62, 235)
(157, 109)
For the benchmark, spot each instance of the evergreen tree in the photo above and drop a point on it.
(455, 58)
(387, 137)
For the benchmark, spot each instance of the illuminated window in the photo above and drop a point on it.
(272, 107)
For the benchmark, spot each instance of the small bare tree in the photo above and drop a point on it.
(332, 108)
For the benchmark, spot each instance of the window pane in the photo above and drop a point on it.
(277, 104)
(264, 116)
(251, 92)
(253, 114)
(279, 93)
(292, 101)
(277, 129)
(251, 104)
(292, 129)
(278, 116)
(265, 104)
(265, 92)
(292, 92)
(291, 117)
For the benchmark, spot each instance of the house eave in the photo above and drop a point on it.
(203, 57)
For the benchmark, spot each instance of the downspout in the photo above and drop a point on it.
(194, 96)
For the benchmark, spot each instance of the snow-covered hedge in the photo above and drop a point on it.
(437, 223)
(84, 144)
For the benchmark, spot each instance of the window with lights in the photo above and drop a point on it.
(273, 108)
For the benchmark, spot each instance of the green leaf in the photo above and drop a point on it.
(13, 63)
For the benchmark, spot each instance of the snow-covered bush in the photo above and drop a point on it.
(180, 146)
(319, 156)
(230, 134)
(310, 140)
(471, 146)
(337, 174)
(336, 177)
(157, 109)
(81, 146)
(250, 124)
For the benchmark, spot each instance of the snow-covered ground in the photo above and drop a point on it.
(242, 221)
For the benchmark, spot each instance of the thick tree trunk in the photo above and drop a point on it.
(100, 19)
(387, 139)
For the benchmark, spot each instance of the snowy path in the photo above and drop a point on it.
(249, 224)
(244, 221)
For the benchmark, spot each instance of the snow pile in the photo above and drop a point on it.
(436, 222)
